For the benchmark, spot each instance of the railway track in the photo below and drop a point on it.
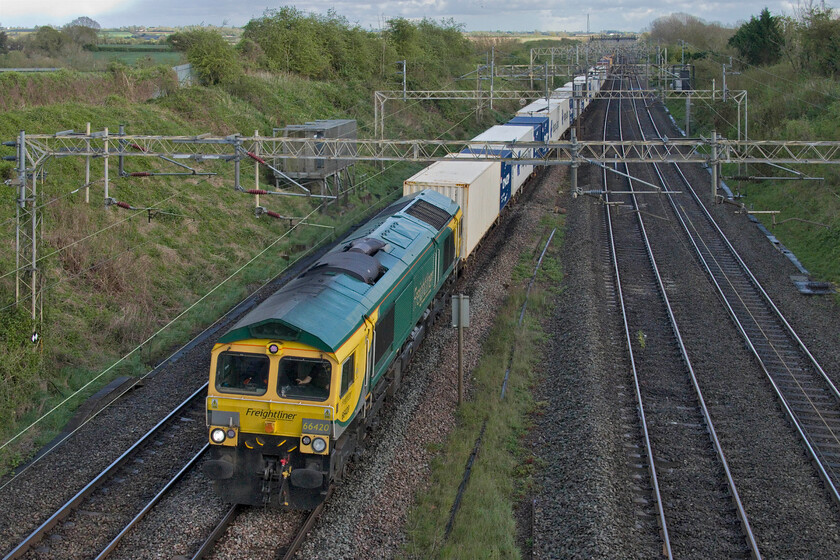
(289, 544)
(697, 502)
(112, 495)
(807, 395)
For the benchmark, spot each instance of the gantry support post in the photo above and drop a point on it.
(237, 157)
(107, 193)
(531, 69)
(688, 114)
(26, 235)
(87, 164)
(573, 175)
(120, 151)
(257, 167)
(714, 163)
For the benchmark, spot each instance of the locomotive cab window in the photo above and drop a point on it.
(448, 250)
(304, 378)
(244, 374)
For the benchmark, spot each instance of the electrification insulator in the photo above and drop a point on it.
(255, 157)
(256, 191)
(140, 174)
(138, 147)
(274, 214)
(125, 205)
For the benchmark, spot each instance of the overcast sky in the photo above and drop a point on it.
(476, 15)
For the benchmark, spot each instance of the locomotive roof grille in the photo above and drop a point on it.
(429, 213)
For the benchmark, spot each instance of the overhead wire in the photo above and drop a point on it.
(718, 56)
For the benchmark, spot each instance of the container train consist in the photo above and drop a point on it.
(296, 383)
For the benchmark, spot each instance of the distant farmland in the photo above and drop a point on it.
(131, 54)
(132, 57)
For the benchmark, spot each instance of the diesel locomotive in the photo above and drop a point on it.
(295, 383)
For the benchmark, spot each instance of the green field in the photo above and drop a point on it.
(131, 58)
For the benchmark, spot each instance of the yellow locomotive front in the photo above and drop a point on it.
(270, 412)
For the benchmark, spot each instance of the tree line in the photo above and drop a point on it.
(809, 39)
(328, 47)
(50, 41)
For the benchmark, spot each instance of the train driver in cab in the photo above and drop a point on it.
(313, 374)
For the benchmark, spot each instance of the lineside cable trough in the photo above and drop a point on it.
(477, 447)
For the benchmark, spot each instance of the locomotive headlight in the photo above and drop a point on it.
(217, 435)
(318, 445)
(306, 440)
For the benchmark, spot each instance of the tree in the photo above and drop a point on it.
(81, 35)
(48, 40)
(820, 36)
(760, 40)
(85, 21)
(4, 42)
(672, 29)
(292, 41)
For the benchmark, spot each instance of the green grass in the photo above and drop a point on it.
(485, 525)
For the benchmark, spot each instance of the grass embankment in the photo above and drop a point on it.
(112, 278)
(783, 105)
(485, 525)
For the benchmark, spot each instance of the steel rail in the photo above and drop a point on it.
(294, 546)
(217, 532)
(811, 446)
(663, 524)
(730, 481)
(91, 486)
(151, 503)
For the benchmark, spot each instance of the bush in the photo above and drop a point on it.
(212, 58)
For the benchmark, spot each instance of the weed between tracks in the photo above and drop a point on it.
(485, 524)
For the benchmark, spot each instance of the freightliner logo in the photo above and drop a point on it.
(269, 415)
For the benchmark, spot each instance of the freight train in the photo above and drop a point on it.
(296, 383)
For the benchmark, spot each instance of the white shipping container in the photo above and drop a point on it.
(564, 97)
(556, 110)
(580, 91)
(495, 138)
(474, 185)
(593, 85)
(567, 92)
